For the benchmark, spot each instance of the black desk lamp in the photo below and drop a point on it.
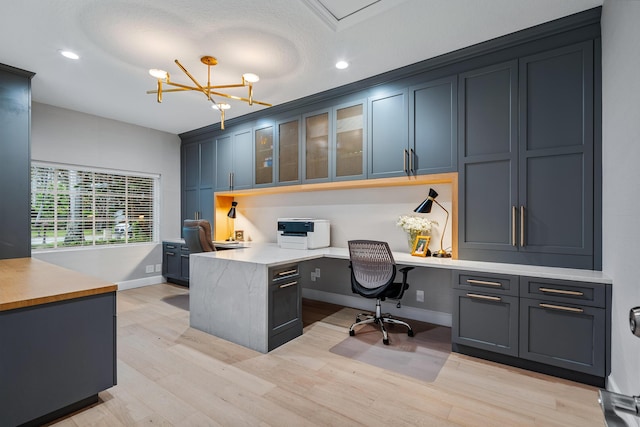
(425, 207)
(232, 214)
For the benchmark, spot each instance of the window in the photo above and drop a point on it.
(81, 207)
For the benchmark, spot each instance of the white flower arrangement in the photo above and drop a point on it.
(413, 223)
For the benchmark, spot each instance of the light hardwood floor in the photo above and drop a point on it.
(171, 374)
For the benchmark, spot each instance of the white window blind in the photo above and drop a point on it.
(76, 208)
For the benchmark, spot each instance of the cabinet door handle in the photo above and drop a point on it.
(514, 216)
(522, 225)
(171, 253)
(561, 292)
(231, 180)
(405, 156)
(484, 297)
(286, 285)
(412, 158)
(288, 272)
(184, 256)
(483, 282)
(561, 308)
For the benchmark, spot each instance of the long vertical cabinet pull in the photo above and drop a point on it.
(230, 180)
(405, 156)
(412, 158)
(522, 225)
(514, 218)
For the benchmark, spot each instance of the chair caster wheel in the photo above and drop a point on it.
(358, 320)
(352, 333)
(410, 332)
(385, 342)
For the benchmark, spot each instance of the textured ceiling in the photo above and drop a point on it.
(288, 43)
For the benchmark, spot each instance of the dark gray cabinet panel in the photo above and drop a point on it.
(433, 126)
(15, 125)
(388, 135)
(198, 180)
(556, 152)
(55, 355)
(234, 161)
(488, 158)
(285, 305)
(485, 311)
(569, 336)
(526, 160)
(485, 320)
(175, 262)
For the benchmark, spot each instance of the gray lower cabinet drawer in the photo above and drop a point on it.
(486, 282)
(565, 335)
(285, 305)
(564, 291)
(486, 321)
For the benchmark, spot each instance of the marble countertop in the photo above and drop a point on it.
(270, 255)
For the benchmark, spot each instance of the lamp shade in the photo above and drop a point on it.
(232, 211)
(425, 207)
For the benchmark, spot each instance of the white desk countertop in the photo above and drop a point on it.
(270, 255)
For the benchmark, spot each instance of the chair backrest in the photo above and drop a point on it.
(373, 268)
(197, 235)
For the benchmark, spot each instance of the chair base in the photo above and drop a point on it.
(380, 319)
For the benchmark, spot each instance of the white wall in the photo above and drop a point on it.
(354, 213)
(621, 179)
(70, 137)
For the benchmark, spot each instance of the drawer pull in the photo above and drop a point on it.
(484, 297)
(286, 285)
(483, 282)
(170, 253)
(170, 247)
(288, 272)
(184, 256)
(562, 292)
(562, 308)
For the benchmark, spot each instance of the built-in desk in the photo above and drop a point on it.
(230, 297)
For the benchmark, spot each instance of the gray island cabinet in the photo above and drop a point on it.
(57, 341)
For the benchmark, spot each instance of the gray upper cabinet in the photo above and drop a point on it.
(334, 143)
(414, 131)
(288, 151)
(234, 160)
(433, 127)
(556, 152)
(198, 180)
(526, 174)
(488, 157)
(264, 152)
(388, 135)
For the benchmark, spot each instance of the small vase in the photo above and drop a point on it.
(411, 238)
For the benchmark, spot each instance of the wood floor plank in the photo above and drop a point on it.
(172, 375)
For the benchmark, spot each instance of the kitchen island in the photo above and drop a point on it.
(57, 341)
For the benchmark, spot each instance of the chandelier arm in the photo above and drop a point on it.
(193, 79)
(239, 98)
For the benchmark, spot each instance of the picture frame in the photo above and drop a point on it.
(421, 246)
(239, 235)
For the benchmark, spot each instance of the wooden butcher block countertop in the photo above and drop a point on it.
(27, 282)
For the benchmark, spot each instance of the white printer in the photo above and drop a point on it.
(303, 233)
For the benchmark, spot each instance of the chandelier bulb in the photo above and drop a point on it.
(250, 77)
(158, 74)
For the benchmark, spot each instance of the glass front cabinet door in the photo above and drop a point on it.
(334, 143)
(288, 151)
(263, 145)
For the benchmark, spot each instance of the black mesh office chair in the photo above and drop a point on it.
(197, 235)
(373, 272)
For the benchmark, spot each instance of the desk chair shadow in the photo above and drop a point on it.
(373, 271)
(197, 235)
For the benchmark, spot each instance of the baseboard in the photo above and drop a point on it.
(138, 283)
(365, 304)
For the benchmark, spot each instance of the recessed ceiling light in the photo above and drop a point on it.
(341, 65)
(69, 54)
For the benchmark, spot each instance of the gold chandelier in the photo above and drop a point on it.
(248, 80)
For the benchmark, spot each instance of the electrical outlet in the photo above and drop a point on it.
(317, 272)
(158, 268)
(420, 296)
(313, 276)
(149, 268)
